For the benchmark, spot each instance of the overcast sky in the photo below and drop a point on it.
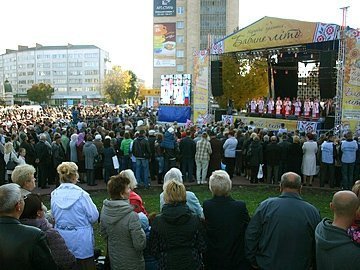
(124, 27)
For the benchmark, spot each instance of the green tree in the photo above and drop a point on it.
(134, 87)
(40, 93)
(117, 85)
(242, 80)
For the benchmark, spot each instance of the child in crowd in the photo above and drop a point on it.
(150, 262)
(22, 154)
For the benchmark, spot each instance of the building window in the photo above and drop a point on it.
(61, 89)
(30, 73)
(59, 65)
(75, 64)
(44, 81)
(43, 65)
(75, 73)
(21, 66)
(22, 74)
(75, 81)
(43, 56)
(91, 72)
(180, 68)
(22, 82)
(180, 24)
(91, 64)
(43, 73)
(91, 55)
(59, 72)
(59, 81)
(180, 53)
(180, 39)
(180, 10)
(30, 66)
(58, 56)
(30, 81)
(75, 55)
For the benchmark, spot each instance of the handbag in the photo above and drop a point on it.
(115, 161)
(260, 172)
(10, 165)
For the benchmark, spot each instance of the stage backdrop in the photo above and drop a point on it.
(174, 113)
(200, 85)
(351, 92)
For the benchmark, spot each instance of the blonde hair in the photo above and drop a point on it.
(8, 148)
(67, 170)
(220, 183)
(174, 192)
(296, 139)
(129, 174)
(356, 188)
(22, 174)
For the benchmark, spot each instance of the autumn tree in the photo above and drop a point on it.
(242, 80)
(40, 93)
(116, 85)
(134, 87)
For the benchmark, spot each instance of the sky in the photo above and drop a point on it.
(124, 27)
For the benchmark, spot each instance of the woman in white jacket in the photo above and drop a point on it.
(10, 154)
(74, 213)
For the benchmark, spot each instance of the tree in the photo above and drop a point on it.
(134, 88)
(40, 93)
(242, 80)
(117, 85)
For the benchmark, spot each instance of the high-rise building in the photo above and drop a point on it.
(75, 71)
(183, 26)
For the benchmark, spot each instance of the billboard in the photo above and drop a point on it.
(175, 89)
(164, 45)
(164, 8)
(201, 86)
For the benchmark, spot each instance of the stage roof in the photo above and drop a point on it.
(270, 32)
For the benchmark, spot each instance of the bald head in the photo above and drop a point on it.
(345, 203)
(290, 181)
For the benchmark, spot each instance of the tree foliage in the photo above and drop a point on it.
(134, 88)
(40, 93)
(116, 87)
(243, 80)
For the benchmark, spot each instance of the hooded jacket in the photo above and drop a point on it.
(177, 238)
(126, 240)
(334, 248)
(90, 152)
(74, 213)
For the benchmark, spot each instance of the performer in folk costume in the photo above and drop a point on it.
(253, 105)
(297, 106)
(287, 106)
(293, 106)
(316, 109)
(278, 105)
(270, 105)
(260, 105)
(307, 108)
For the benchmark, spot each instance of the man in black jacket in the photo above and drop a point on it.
(272, 154)
(43, 159)
(141, 150)
(21, 247)
(187, 151)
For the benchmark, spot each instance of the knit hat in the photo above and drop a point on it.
(171, 130)
(98, 137)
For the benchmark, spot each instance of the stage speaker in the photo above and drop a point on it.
(279, 116)
(329, 122)
(218, 114)
(254, 114)
(216, 79)
(268, 115)
(327, 74)
(292, 117)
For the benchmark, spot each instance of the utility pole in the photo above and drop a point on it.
(340, 72)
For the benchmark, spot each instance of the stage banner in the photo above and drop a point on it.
(307, 126)
(174, 113)
(164, 45)
(164, 8)
(200, 85)
(227, 119)
(269, 123)
(271, 32)
(351, 92)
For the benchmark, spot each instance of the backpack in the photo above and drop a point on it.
(137, 149)
(10, 165)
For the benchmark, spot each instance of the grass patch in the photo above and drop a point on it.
(252, 195)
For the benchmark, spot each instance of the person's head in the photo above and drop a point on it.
(220, 183)
(22, 152)
(11, 201)
(23, 175)
(68, 172)
(8, 148)
(42, 137)
(127, 135)
(296, 139)
(129, 174)
(173, 174)
(273, 139)
(310, 136)
(107, 143)
(344, 204)
(174, 192)
(118, 187)
(356, 188)
(74, 137)
(290, 182)
(57, 137)
(33, 207)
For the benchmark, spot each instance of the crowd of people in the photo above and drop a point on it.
(128, 150)
(306, 108)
